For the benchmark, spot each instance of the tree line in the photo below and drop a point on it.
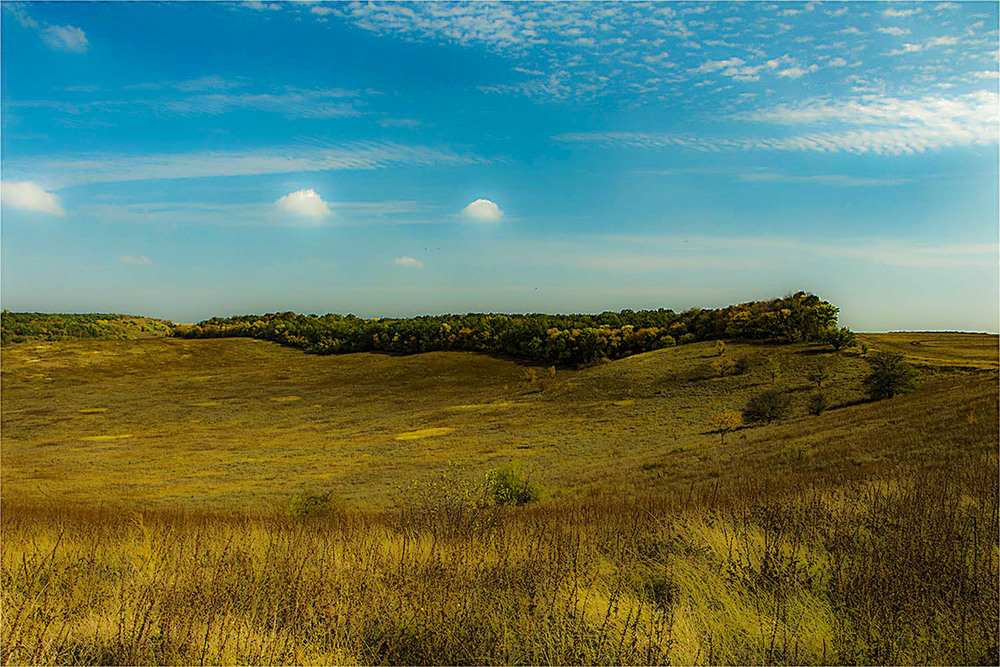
(563, 340)
(20, 327)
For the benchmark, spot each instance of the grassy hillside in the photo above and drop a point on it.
(237, 422)
(144, 484)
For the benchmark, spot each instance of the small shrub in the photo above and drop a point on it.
(818, 403)
(509, 485)
(720, 348)
(890, 375)
(864, 347)
(310, 505)
(668, 341)
(687, 338)
(819, 375)
(767, 406)
(773, 369)
(723, 365)
(745, 364)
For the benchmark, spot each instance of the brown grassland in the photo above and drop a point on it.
(144, 485)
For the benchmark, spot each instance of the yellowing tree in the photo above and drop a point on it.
(725, 422)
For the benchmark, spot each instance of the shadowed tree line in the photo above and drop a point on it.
(565, 340)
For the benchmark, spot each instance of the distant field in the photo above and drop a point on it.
(965, 350)
(243, 423)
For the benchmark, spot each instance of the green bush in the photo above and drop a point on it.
(310, 505)
(818, 403)
(767, 406)
(687, 338)
(890, 375)
(509, 485)
(840, 338)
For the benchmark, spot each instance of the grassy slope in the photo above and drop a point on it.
(236, 422)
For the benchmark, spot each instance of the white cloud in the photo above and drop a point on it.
(28, 196)
(305, 203)
(135, 259)
(893, 30)
(322, 10)
(907, 48)
(797, 72)
(65, 38)
(408, 262)
(837, 62)
(262, 6)
(899, 12)
(942, 41)
(482, 210)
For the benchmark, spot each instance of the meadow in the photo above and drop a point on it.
(146, 483)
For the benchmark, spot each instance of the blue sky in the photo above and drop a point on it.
(185, 160)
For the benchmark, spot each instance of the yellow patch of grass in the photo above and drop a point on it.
(423, 433)
(285, 399)
(105, 438)
(205, 404)
(481, 406)
(624, 403)
(91, 411)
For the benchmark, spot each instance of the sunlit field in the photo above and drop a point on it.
(148, 489)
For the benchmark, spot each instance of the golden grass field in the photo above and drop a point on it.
(144, 483)
(241, 423)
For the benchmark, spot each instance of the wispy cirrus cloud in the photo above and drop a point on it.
(105, 168)
(67, 38)
(212, 96)
(889, 126)
(874, 250)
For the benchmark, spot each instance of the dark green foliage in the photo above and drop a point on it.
(509, 485)
(564, 340)
(890, 375)
(746, 363)
(767, 406)
(818, 403)
(840, 338)
(19, 327)
(820, 374)
(310, 505)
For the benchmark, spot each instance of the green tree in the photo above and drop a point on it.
(840, 338)
(767, 406)
(890, 375)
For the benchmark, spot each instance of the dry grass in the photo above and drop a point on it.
(211, 423)
(899, 569)
(868, 534)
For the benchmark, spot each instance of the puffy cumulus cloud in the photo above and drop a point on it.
(483, 210)
(141, 260)
(409, 262)
(65, 38)
(28, 196)
(304, 203)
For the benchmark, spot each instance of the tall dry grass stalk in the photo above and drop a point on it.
(900, 569)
